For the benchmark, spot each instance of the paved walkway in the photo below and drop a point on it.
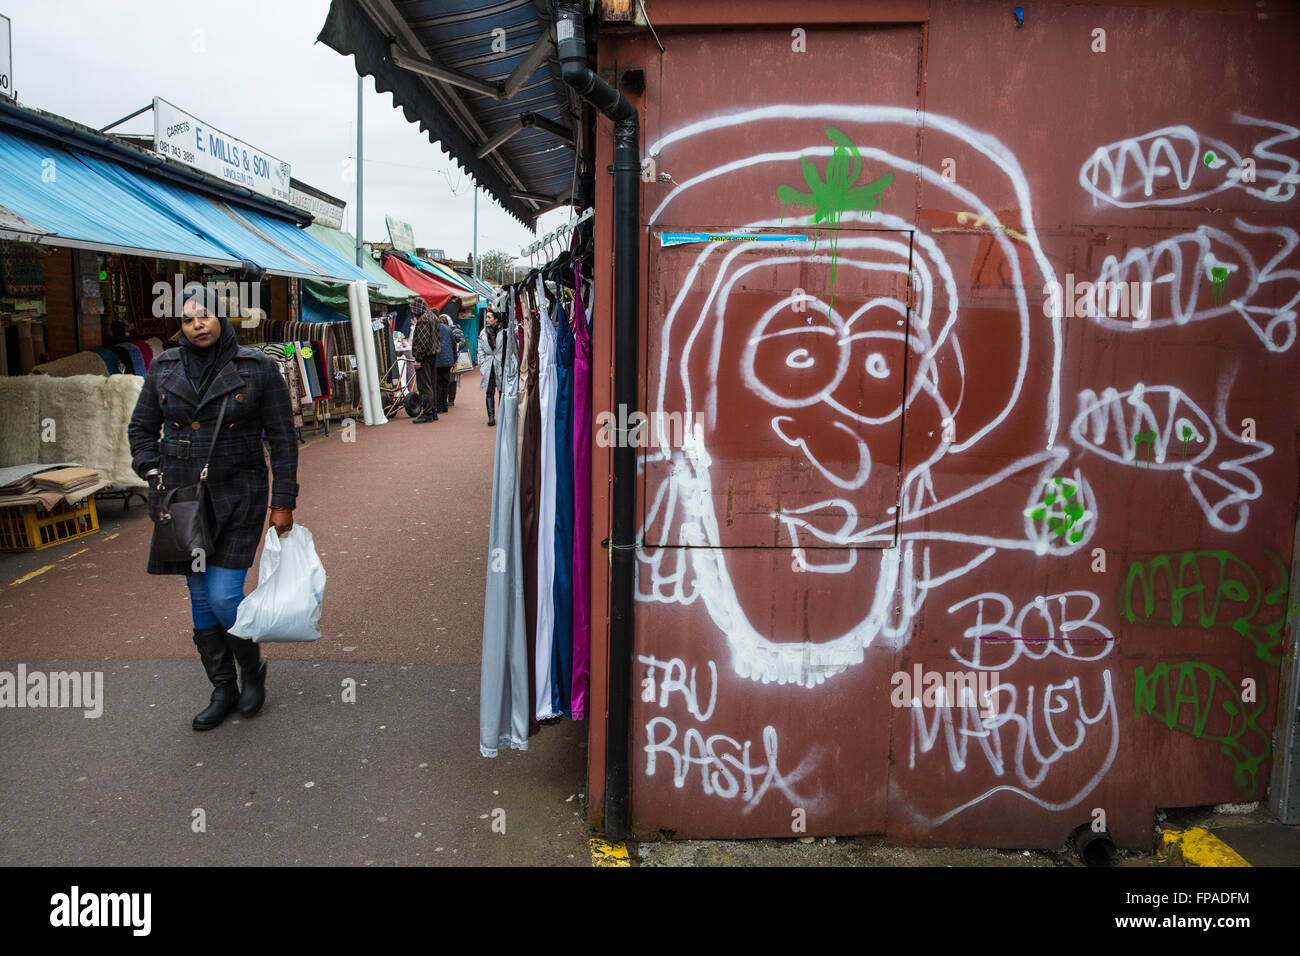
(400, 518)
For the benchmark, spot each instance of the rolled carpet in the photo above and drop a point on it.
(79, 363)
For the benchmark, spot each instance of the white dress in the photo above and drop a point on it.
(546, 387)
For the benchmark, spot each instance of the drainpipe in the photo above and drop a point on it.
(572, 51)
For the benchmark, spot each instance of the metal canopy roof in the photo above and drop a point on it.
(504, 115)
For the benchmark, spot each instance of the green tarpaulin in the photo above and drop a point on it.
(335, 297)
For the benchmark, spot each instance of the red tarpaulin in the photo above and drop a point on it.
(434, 291)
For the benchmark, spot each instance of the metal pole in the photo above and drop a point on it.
(476, 234)
(361, 249)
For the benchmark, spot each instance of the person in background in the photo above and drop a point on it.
(425, 343)
(170, 433)
(462, 345)
(491, 347)
(445, 360)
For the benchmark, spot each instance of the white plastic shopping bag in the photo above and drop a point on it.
(286, 604)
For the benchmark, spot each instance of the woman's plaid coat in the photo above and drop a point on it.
(257, 398)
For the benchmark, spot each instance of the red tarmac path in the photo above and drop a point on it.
(400, 518)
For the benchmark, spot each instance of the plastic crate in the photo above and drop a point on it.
(27, 528)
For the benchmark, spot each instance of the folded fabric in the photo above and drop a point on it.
(48, 500)
(21, 486)
(18, 474)
(66, 479)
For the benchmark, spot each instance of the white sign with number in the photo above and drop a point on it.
(6, 60)
(178, 135)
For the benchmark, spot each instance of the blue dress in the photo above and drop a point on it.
(562, 653)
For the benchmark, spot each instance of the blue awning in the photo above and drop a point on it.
(59, 195)
(73, 203)
(207, 216)
(302, 245)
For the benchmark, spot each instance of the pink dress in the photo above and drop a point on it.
(581, 499)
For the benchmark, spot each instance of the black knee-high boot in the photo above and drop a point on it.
(252, 674)
(219, 662)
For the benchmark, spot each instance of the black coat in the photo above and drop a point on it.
(447, 349)
(257, 399)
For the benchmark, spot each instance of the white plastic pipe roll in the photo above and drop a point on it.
(360, 332)
(372, 365)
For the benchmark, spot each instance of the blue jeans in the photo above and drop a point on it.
(215, 595)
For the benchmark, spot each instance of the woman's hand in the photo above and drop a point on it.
(153, 479)
(155, 501)
(282, 520)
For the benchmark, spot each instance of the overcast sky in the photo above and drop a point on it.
(253, 69)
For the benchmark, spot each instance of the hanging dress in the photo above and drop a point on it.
(529, 487)
(504, 681)
(581, 498)
(562, 656)
(546, 382)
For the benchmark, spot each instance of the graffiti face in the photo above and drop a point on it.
(806, 365)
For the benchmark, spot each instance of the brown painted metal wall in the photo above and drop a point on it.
(906, 463)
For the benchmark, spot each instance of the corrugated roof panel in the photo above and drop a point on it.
(458, 35)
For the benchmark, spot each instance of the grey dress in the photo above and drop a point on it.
(504, 678)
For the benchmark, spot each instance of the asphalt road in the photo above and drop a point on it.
(400, 519)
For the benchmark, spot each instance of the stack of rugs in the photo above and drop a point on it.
(312, 364)
(46, 486)
(130, 358)
(49, 421)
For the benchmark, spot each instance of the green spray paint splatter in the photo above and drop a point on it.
(1218, 275)
(1063, 516)
(831, 198)
(1145, 438)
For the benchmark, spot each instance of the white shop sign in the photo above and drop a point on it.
(325, 212)
(401, 234)
(6, 59)
(178, 135)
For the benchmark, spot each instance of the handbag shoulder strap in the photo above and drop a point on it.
(203, 475)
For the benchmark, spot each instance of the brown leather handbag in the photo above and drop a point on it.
(180, 531)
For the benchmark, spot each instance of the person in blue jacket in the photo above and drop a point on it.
(445, 360)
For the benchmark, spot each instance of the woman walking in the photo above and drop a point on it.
(210, 377)
(490, 349)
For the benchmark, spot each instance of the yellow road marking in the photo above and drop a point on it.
(1197, 846)
(29, 575)
(604, 853)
